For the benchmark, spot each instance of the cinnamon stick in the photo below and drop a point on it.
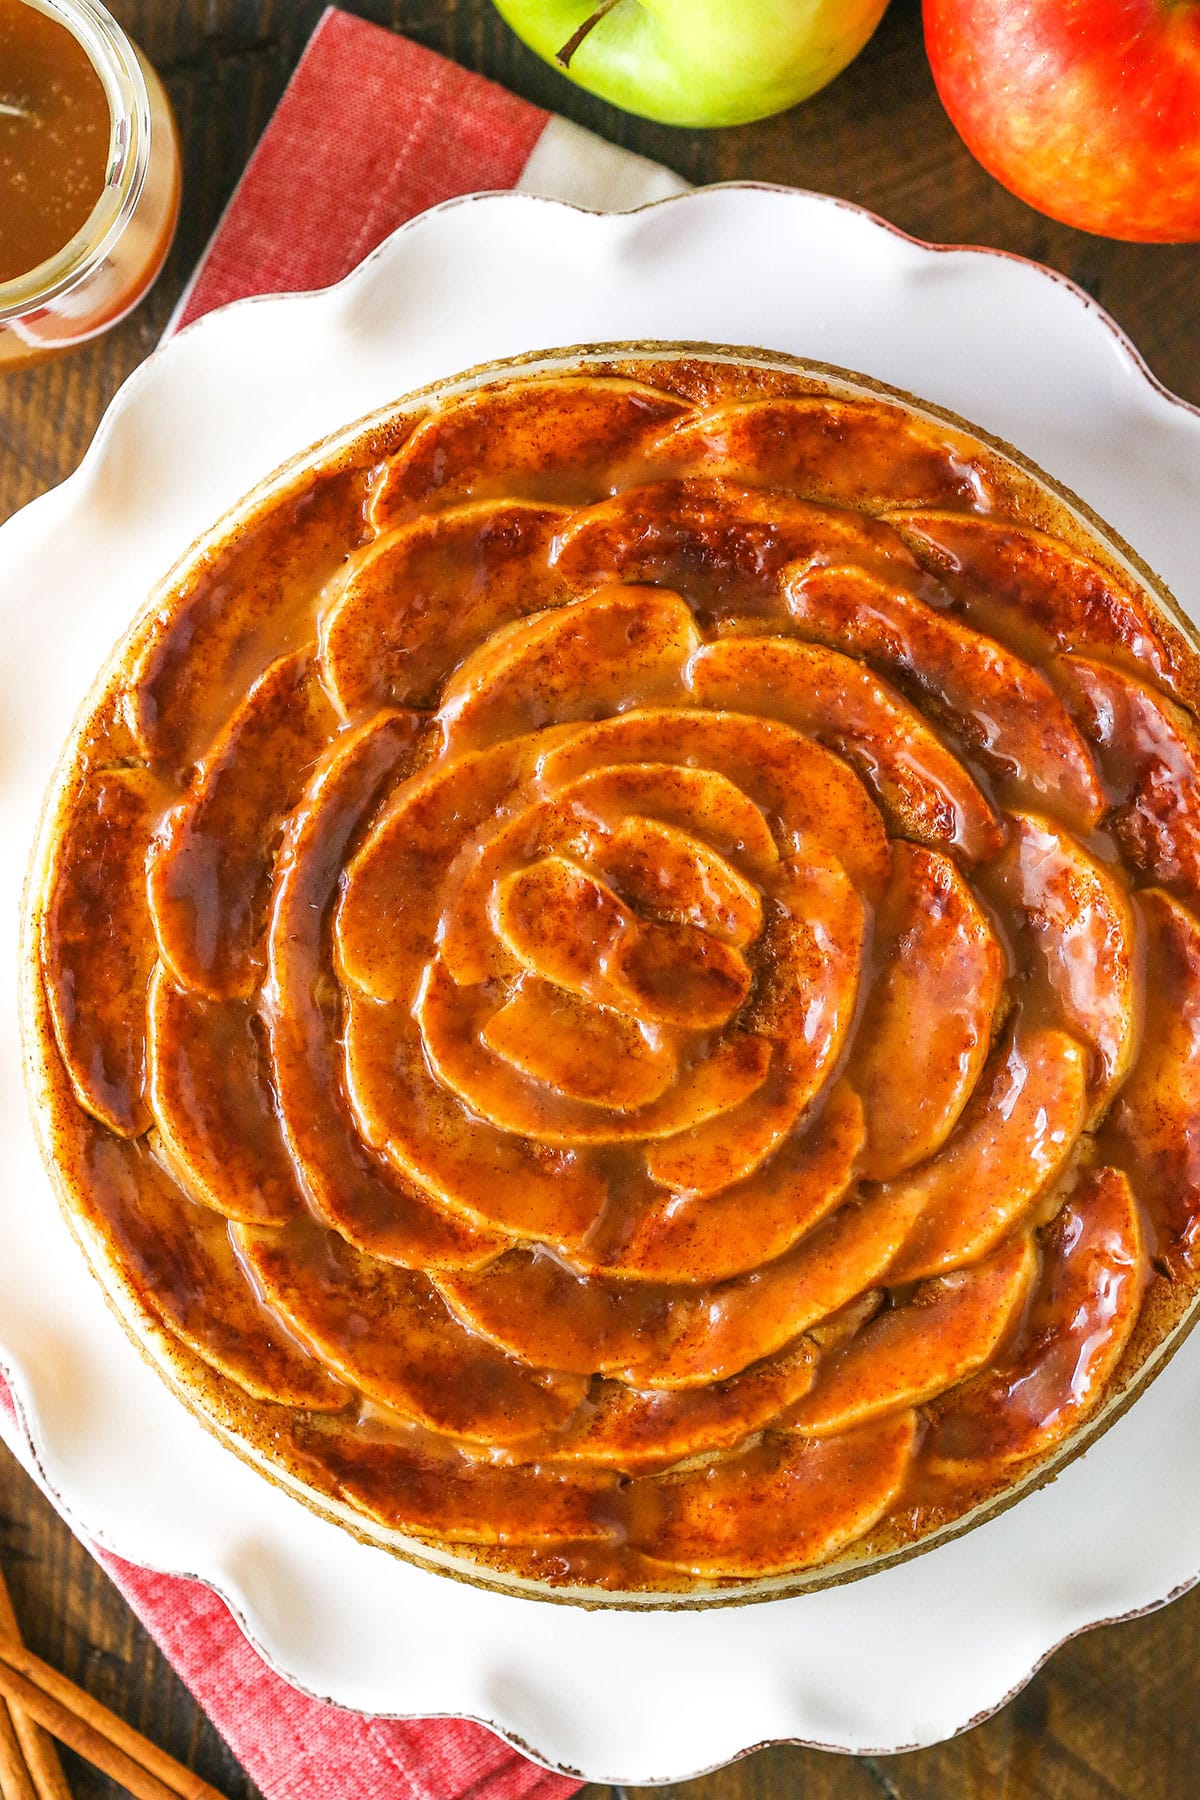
(75, 1718)
(42, 1772)
(15, 1780)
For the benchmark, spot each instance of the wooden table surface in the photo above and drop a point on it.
(1114, 1715)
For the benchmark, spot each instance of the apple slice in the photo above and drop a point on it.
(387, 1333)
(586, 820)
(1074, 918)
(1013, 1140)
(722, 546)
(720, 1330)
(96, 978)
(483, 1176)
(497, 442)
(534, 1307)
(1154, 1118)
(563, 924)
(664, 1337)
(810, 795)
(619, 648)
(927, 1025)
(835, 1331)
(1003, 710)
(453, 1020)
(386, 921)
(839, 452)
(1152, 759)
(412, 604)
(568, 927)
(665, 871)
(523, 832)
(712, 1237)
(209, 868)
(711, 1154)
(214, 1108)
(624, 789)
(1028, 587)
(909, 1354)
(784, 1504)
(199, 649)
(178, 1259)
(580, 1050)
(808, 990)
(924, 790)
(630, 1429)
(1084, 1309)
(424, 1486)
(345, 1186)
(678, 975)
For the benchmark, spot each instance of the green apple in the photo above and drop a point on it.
(697, 62)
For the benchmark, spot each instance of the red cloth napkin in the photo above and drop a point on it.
(374, 129)
(371, 130)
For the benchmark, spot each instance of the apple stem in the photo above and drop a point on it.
(563, 56)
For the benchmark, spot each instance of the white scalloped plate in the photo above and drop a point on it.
(907, 1655)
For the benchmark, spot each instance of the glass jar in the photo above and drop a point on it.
(102, 272)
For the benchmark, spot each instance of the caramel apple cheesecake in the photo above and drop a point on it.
(614, 976)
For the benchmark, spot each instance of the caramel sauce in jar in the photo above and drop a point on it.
(53, 142)
(89, 176)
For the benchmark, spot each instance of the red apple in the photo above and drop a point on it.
(1087, 109)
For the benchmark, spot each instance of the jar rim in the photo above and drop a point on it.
(113, 57)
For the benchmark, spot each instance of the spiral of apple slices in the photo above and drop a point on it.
(630, 1003)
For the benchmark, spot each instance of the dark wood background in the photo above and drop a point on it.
(1113, 1716)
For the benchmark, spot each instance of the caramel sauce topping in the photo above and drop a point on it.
(620, 976)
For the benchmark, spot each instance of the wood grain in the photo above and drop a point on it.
(1113, 1716)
